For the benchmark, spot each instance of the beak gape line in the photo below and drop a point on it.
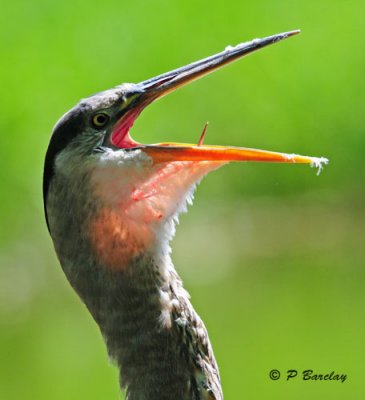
(159, 86)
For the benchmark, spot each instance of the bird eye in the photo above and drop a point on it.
(100, 120)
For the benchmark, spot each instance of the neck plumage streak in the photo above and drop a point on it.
(121, 268)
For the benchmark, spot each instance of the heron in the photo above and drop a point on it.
(111, 205)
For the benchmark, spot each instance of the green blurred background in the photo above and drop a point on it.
(273, 255)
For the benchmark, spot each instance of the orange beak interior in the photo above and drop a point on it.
(168, 152)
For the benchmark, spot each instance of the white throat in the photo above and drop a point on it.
(140, 203)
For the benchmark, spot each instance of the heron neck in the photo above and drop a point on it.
(137, 318)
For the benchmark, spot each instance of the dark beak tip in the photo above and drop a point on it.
(277, 38)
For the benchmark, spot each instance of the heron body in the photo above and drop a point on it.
(116, 255)
(111, 206)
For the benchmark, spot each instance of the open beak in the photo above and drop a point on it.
(147, 91)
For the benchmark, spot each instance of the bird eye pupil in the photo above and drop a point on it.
(101, 119)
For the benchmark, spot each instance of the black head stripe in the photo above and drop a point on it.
(70, 125)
